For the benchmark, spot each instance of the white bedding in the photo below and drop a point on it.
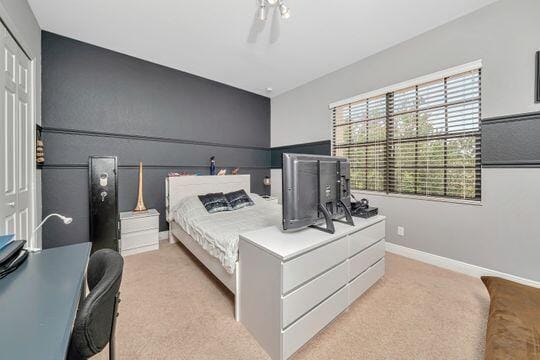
(218, 233)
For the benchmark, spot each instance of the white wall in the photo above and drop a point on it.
(275, 177)
(20, 20)
(502, 233)
(504, 35)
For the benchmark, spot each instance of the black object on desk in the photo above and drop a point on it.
(362, 209)
(38, 303)
(11, 256)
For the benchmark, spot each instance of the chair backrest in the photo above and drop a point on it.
(93, 325)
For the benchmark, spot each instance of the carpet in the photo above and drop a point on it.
(173, 308)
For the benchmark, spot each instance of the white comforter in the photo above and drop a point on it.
(218, 233)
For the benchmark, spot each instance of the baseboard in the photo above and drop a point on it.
(455, 265)
(164, 235)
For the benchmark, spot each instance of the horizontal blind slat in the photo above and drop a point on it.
(422, 140)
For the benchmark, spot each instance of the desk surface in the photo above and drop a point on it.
(38, 303)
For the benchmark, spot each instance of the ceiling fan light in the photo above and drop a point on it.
(262, 10)
(284, 10)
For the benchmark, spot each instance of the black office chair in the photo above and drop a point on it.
(96, 318)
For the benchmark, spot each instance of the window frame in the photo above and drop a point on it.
(389, 92)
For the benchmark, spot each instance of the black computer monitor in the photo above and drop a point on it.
(316, 191)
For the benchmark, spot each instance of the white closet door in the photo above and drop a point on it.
(8, 116)
(16, 139)
(25, 141)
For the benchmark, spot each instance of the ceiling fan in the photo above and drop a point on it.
(283, 8)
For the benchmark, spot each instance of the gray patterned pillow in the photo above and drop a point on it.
(238, 199)
(215, 202)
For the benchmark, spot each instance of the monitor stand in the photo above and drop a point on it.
(328, 218)
(348, 215)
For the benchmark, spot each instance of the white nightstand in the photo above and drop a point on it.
(139, 232)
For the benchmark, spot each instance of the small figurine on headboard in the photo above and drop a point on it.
(235, 171)
(212, 165)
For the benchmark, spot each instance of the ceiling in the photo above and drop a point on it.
(224, 41)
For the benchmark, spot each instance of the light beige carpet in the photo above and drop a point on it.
(172, 308)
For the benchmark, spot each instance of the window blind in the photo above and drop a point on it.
(421, 140)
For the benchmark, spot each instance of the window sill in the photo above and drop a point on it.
(417, 197)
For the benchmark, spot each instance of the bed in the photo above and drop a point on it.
(213, 238)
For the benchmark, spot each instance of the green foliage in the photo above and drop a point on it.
(427, 154)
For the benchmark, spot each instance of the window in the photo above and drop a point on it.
(416, 138)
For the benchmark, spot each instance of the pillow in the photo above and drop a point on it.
(513, 330)
(238, 199)
(215, 202)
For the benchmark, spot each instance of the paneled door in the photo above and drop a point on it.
(16, 139)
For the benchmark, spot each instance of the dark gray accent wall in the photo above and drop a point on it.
(511, 141)
(316, 148)
(99, 102)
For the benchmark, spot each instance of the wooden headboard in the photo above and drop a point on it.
(179, 187)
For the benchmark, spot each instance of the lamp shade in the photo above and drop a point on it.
(267, 181)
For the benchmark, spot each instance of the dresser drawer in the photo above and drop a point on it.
(139, 239)
(309, 325)
(305, 298)
(313, 263)
(362, 239)
(140, 224)
(361, 261)
(363, 282)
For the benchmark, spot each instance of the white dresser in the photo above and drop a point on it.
(294, 284)
(139, 232)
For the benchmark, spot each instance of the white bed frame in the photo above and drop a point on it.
(179, 187)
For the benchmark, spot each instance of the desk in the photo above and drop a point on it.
(39, 301)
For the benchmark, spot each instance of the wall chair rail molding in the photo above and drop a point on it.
(511, 141)
(513, 117)
(537, 79)
(134, 166)
(52, 130)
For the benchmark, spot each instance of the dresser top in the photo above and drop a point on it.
(286, 245)
(138, 214)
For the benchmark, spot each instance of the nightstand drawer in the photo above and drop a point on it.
(305, 328)
(139, 224)
(363, 282)
(305, 298)
(139, 239)
(364, 238)
(360, 262)
(308, 266)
